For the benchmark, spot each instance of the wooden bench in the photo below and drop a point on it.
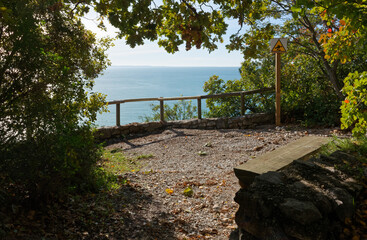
(279, 158)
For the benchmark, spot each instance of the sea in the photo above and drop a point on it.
(127, 82)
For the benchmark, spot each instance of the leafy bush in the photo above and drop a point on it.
(51, 165)
(354, 107)
(179, 111)
(231, 106)
(306, 95)
(48, 62)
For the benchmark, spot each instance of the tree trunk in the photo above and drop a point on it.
(330, 70)
(331, 74)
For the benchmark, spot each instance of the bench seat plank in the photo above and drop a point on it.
(279, 158)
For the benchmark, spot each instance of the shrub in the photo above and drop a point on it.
(354, 107)
(179, 111)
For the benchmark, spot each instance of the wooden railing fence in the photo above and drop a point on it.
(199, 98)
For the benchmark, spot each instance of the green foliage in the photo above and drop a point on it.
(172, 23)
(357, 147)
(48, 60)
(347, 44)
(354, 107)
(231, 106)
(188, 192)
(144, 156)
(115, 161)
(114, 165)
(179, 111)
(306, 95)
(51, 165)
(311, 78)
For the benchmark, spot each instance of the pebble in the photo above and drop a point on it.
(216, 208)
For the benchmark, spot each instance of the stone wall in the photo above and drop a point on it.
(246, 121)
(305, 200)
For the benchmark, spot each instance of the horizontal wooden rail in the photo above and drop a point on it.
(162, 99)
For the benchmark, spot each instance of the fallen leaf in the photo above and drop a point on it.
(169, 191)
(223, 183)
(355, 237)
(31, 214)
(188, 192)
(202, 153)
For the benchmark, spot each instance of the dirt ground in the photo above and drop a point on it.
(200, 162)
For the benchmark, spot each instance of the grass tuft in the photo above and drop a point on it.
(356, 147)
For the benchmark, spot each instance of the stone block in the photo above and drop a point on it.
(221, 123)
(116, 131)
(211, 123)
(274, 178)
(103, 133)
(299, 211)
(342, 202)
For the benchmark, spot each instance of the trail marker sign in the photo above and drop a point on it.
(278, 45)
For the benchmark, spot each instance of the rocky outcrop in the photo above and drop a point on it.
(305, 200)
(246, 121)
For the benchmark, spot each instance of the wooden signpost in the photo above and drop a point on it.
(278, 46)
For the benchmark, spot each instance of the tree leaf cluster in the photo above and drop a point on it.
(312, 78)
(348, 45)
(354, 107)
(48, 62)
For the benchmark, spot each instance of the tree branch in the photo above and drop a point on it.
(188, 5)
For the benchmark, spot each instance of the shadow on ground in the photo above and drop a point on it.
(127, 140)
(120, 214)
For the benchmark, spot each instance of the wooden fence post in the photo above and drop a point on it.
(242, 104)
(118, 114)
(198, 98)
(199, 108)
(161, 105)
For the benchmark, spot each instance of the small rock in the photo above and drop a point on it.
(232, 226)
(271, 177)
(216, 208)
(258, 148)
(208, 144)
(224, 209)
(226, 220)
(301, 212)
(343, 203)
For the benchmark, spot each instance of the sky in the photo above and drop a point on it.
(150, 54)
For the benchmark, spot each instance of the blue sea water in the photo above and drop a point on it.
(122, 82)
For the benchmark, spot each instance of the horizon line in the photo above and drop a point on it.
(118, 65)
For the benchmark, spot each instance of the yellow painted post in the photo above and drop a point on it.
(277, 89)
(278, 46)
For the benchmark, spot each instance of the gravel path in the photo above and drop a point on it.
(202, 160)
